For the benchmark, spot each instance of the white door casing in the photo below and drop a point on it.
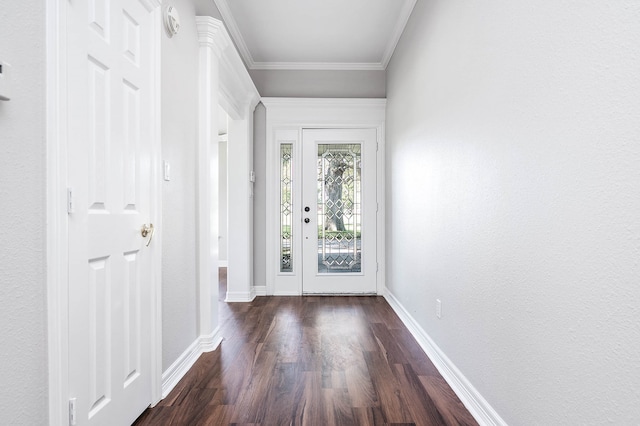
(286, 119)
(351, 255)
(111, 129)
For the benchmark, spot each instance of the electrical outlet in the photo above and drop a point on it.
(438, 308)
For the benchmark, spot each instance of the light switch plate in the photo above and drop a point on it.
(5, 81)
(166, 170)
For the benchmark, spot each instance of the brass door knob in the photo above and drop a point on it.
(147, 230)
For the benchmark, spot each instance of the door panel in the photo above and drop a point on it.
(339, 210)
(110, 45)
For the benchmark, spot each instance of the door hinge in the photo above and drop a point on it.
(69, 200)
(72, 412)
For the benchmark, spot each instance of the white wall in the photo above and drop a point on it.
(260, 196)
(23, 330)
(513, 165)
(223, 221)
(319, 84)
(179, 141)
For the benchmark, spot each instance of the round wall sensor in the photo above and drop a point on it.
(171, 20)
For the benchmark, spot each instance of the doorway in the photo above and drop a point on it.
(324, 164)
(338, 211)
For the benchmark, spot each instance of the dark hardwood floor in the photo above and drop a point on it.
(311, 360)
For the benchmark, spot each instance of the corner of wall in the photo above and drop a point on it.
(468, 394)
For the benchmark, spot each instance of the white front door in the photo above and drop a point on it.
(110, 101)
(339, 211)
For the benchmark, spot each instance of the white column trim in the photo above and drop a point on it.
(207, 242)
(238, 96)
(212, 34)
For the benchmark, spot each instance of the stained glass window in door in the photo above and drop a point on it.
(339, 208)
(286, 260)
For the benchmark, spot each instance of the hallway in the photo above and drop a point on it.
(313, 361)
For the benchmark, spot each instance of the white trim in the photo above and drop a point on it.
(211, 341)
(261, 290)
(225, 83)
(57, 233)
(233, 28)
(401, 23)
(287, 293)
(212, 42)
(223, 264)
(240, 296)
(382, 208)
(185, 361)
(319, 66)
(156, 207)
(307, 103)
(469, 395)
(180, 367)
(211, 33)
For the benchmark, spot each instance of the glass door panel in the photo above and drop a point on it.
(339, 208)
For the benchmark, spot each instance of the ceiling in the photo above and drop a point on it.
(316, 34)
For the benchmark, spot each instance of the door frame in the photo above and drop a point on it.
(285, 120)
(57, 244)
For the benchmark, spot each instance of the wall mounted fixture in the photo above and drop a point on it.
(171, 21)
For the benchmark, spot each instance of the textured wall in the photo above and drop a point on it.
(513, 165)
(319, 84)
(23, 332)
(179, 139)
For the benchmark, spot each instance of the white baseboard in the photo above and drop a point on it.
(211, 342)
(239, 296)
(287, 293)
(470, 397)
(181, 366)
(223, 264)
(261, 290)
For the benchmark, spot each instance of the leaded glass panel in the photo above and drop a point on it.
(286, 260)
(339, 208)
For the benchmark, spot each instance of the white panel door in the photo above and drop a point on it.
(339, 209)
(110, 47)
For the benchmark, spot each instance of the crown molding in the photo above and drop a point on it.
(326, 103)
(319, 66)
(150, 4)
(211, 32)
(401, 23)
(234, 30)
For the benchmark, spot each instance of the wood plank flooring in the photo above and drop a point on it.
(311, 360)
